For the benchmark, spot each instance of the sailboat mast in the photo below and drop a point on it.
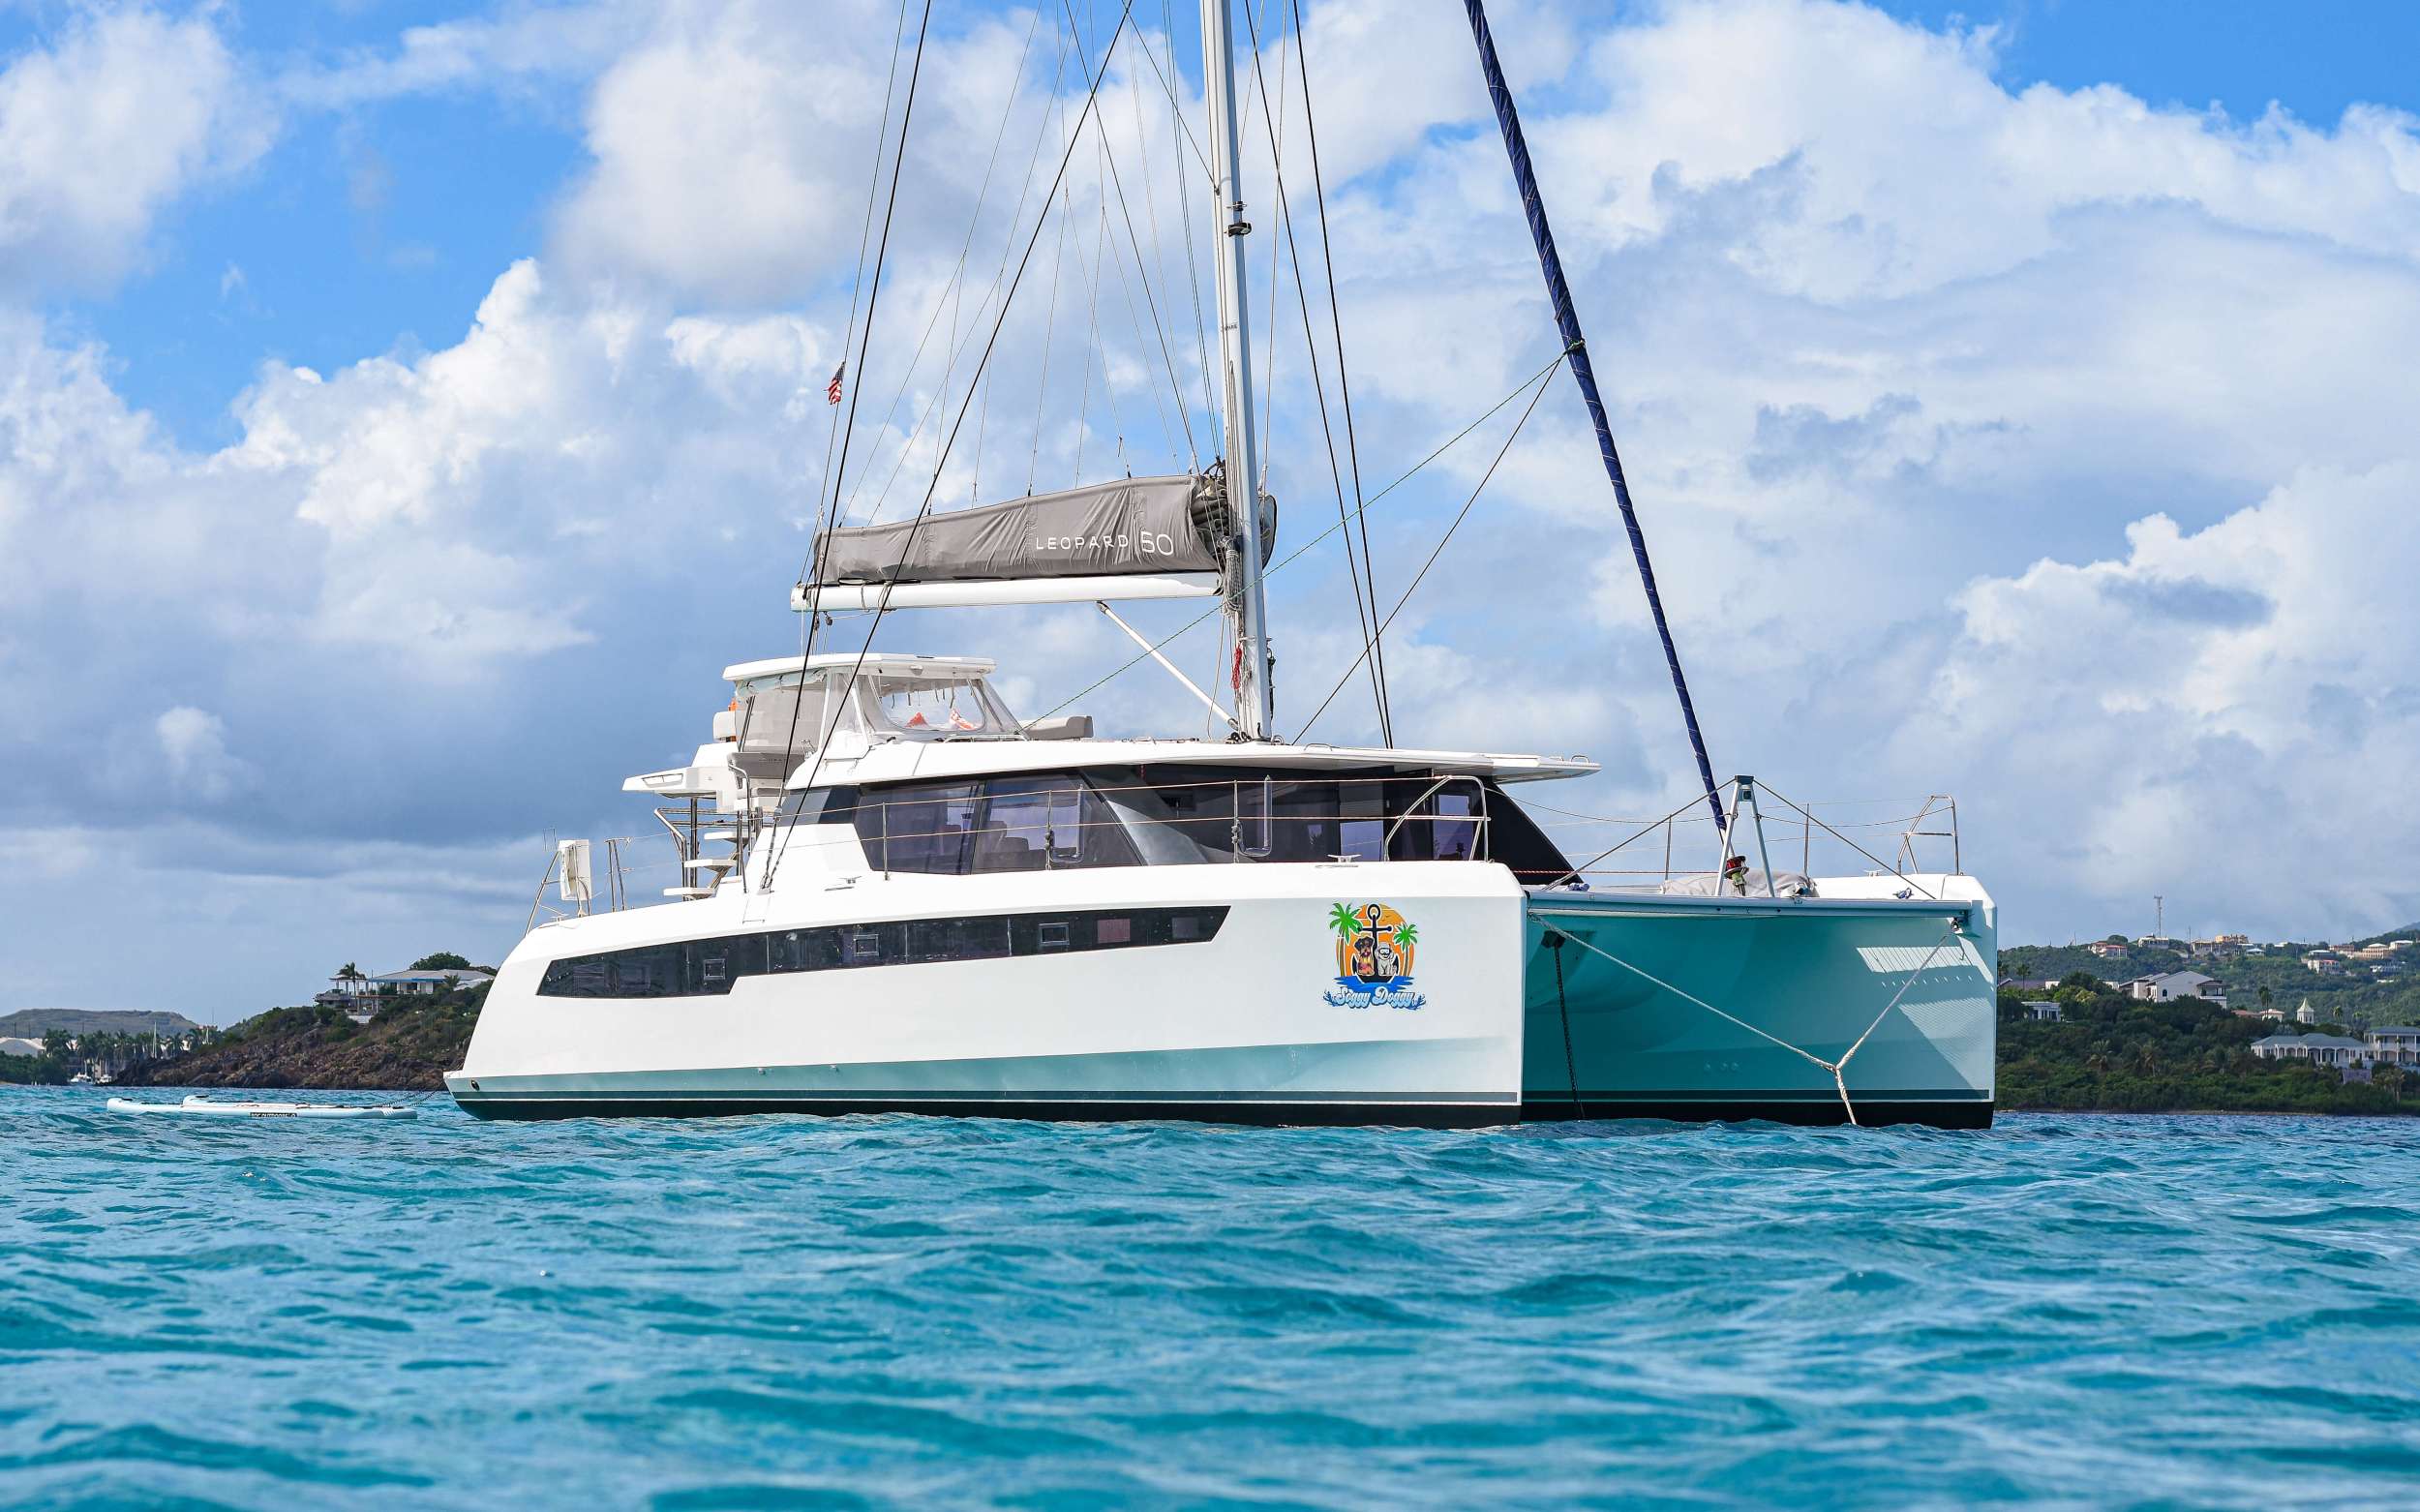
(1249, 604)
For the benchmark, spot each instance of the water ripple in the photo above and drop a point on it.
(889, 1311)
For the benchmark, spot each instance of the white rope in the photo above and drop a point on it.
(1836, 1068)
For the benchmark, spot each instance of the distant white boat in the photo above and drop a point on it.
(205, 1107)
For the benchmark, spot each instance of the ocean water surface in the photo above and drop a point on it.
(898, 1311)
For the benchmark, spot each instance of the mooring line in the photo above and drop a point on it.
(1836, 1068)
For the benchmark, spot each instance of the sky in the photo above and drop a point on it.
(408, 410)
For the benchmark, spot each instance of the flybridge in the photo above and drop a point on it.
(1152, 537)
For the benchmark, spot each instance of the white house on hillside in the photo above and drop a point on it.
(426, 984)
(2398, 1044)
(2178, 985)
(2320, 1049)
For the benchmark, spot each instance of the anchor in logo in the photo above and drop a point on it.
(1373, 953)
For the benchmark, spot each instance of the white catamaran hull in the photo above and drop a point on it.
(1265, 1019)
(1248, 1024)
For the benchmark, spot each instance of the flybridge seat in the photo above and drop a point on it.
(1154, 537)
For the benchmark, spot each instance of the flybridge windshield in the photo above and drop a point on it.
(789, 711)
(933, 708)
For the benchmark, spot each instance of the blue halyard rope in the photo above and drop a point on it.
(1575, 345)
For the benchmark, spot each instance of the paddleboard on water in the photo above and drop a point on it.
(208, 1108)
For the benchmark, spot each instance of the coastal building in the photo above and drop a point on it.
(2306, 1014)
(2226, 947)
(18, 1047)
(2397, 1044)
(2388, 968)
(2326, 963)
(2043, 1013)
(2320, 1049)
(2109, 949)
(2171, 986)
(425, 984)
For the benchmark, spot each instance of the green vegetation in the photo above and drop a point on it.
(407, 1047)
(67, 1050)
(2113, 1054)
(2356, 998)
(32, 1023)
(409, 1043)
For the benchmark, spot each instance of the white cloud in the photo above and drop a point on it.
(195, 742)
(2222, 708)
(100, 130)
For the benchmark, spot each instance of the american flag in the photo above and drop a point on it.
(831, 390)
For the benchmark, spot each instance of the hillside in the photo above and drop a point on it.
(2113, 1054)
(2357, 1000)
(32, 1023)
(407, 1048)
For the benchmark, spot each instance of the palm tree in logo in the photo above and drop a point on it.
(1345, 920)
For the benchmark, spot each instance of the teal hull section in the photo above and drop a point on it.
(1696, 1008)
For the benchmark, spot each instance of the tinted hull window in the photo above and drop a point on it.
(706, 968)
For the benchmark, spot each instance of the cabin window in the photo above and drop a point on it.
(1170, 816)
(707, 968)
(922, 827)
(1046, 822)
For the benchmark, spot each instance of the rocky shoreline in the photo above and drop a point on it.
(405, 1049)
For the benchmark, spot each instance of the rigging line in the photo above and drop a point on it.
(1092, 342)
(1276, 163)
(1436, 553)
(1366, 614)
(953, 292)
(1184, 128)
(1042, 391)
(890, 580)
(1167, 433)
(1108, 156)
(1159, 326)
(865, 231)
(1192, 267)
(1159, 261)
(1299, 552)
(1584, 376)
(882, 248)
(874, 297)
(1344, 381)
(939, 400)
(982, 419)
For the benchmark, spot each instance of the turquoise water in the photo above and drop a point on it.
(910, 1311)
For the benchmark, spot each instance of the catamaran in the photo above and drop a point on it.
(894, 895)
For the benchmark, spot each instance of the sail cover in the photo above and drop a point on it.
(1133, 526)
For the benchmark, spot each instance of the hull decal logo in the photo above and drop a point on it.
(1374, 945)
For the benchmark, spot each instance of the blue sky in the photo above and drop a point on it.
(409, 409)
